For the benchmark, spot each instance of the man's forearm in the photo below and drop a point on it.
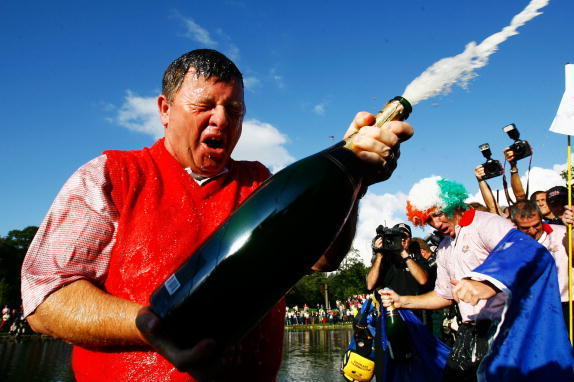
(85, 315)
(516, 184)
(417, 271)
(429, 300)
(488, 197)
(374, 272)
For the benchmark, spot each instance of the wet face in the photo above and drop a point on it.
(531, 226)
(442, 223)
(426, 254)
(541, 203)
(405, 241)
(203, 123)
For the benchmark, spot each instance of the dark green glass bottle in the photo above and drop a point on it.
(398, 338)
(265, 247)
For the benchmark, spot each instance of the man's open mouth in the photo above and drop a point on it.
(214, 143)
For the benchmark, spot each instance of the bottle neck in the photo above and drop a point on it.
(392, 311)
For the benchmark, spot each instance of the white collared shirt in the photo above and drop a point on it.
(200, 179)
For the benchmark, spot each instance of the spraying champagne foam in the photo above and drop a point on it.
(459, 70)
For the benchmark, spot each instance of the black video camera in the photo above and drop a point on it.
(392, 239)
(520, 148)
(492, 167)
(433, 239)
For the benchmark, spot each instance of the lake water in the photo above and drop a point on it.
(308, 355)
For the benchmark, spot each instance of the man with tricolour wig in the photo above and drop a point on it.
(500, 278)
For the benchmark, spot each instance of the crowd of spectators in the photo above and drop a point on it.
(344, 312)
(13, 321)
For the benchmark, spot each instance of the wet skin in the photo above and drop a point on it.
(203, 122)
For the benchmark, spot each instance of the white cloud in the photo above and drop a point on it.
(251, 83)
(140, 114)
(277, 78)
(196, 32)
(319, 109)
(231, 50)
(263, 142)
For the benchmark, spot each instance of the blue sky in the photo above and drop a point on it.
(81, 77)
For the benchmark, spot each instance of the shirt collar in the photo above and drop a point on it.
(467, 217)
(200, 179)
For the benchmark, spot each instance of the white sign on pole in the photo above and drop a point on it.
(564, 120)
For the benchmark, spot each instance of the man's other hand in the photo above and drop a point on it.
(568, 216)
(471, 291)
(204, 360)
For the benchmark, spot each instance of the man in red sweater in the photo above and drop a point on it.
(127, 219)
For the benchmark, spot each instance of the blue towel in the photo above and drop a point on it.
(531, 342)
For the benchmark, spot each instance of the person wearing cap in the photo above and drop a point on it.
(479, 262)
(398, 271)
(557, 200)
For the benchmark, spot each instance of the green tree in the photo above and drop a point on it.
(564, 173)
(307, 290)
(347, 281)
(13, 248)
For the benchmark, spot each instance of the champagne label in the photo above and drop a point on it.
(172, 284)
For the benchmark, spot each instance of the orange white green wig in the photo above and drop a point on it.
(434, 194)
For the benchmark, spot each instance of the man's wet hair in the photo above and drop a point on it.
(524, 209)
(206, 62)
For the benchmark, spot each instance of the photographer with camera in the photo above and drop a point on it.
(485, 191)
(393, 266)
(520, 149)
(489, 169)
(515, 181)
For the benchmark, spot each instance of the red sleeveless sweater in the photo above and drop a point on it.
(164, 215)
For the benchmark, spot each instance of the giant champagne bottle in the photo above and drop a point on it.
(270, 242)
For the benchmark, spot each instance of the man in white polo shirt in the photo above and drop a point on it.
(480, 261)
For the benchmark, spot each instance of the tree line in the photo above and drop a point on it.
(13, 248)
(347, 281)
